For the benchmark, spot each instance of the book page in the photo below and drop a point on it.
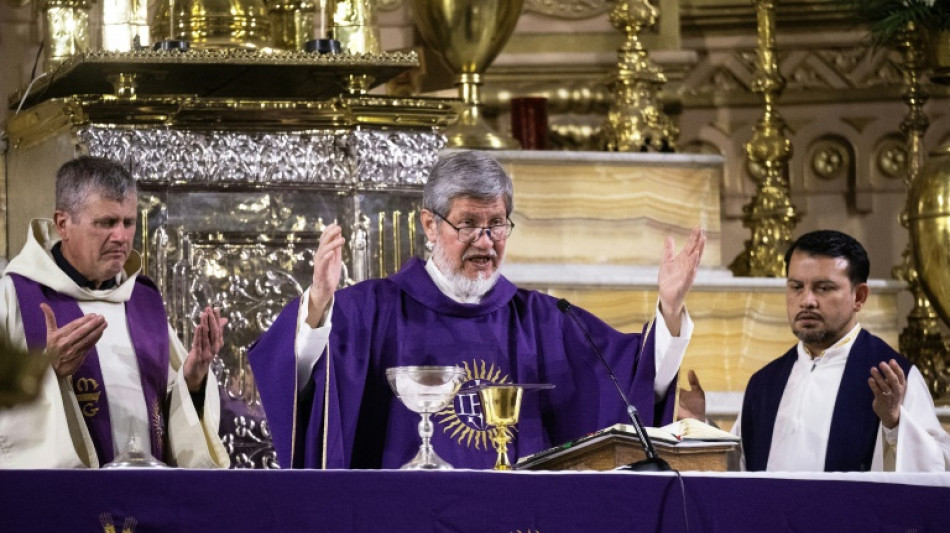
(692, 429)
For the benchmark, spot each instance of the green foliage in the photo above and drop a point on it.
(887, 18)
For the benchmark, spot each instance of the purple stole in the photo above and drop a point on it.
(148, 329)
(854, 424)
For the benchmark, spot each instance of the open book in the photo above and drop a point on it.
(686, 433)
(689, 429)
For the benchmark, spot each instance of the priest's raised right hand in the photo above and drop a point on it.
(327, 265)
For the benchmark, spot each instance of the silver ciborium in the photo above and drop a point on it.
(425, 390)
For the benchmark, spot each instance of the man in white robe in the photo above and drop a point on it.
(841, 399)
(82, 262)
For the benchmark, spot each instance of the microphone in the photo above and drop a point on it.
(653, 461)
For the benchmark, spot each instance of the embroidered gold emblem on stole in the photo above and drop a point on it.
(87, 393)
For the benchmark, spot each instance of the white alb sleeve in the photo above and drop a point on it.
(669, 350)
(310, 343)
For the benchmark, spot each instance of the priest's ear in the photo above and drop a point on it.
(429, 224)
(60, 220)
(861, 292)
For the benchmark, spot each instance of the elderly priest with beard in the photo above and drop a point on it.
(321, 366)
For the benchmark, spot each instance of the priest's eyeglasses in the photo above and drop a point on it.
(470, 234)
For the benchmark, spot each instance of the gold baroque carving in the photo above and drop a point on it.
(568, 9)
(891, 158)
(830, 160)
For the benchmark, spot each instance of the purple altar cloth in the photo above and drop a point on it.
(466, 501)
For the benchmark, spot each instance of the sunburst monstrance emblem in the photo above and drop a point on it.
(463, 420)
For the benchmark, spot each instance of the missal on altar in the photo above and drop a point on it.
(688, 429)
(686, 436)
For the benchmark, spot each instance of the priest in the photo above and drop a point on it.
(841, 399)
(321, 366)
(117, 371)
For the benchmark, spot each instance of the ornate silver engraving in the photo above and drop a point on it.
(229, 157)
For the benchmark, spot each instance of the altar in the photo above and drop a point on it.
(469, 501)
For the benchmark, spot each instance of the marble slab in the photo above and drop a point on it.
(740, 323)
(602, 208)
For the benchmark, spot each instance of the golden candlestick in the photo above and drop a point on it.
(923, 258)
(501, 405)
(771, 215)
(635, 119)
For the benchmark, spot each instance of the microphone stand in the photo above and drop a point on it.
(653, 461)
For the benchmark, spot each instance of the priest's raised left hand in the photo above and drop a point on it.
(888, 385)
(677, 273)
(207, 342)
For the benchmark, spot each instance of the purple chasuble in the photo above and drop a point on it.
(148, 329)
(854, 424)
(349, 418)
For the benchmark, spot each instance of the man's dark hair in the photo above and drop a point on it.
(834, 244)
(78, 178)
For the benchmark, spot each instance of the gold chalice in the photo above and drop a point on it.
(501, 405)
(468, 34)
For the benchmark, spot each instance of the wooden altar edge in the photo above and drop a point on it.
(610, 449)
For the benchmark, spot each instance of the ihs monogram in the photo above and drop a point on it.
(463, 419)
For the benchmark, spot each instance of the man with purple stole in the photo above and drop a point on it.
(118, 372)
(842, 399)
(321, 366)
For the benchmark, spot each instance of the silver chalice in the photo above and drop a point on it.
(425, 390)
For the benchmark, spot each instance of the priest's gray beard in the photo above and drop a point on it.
(466, 289)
